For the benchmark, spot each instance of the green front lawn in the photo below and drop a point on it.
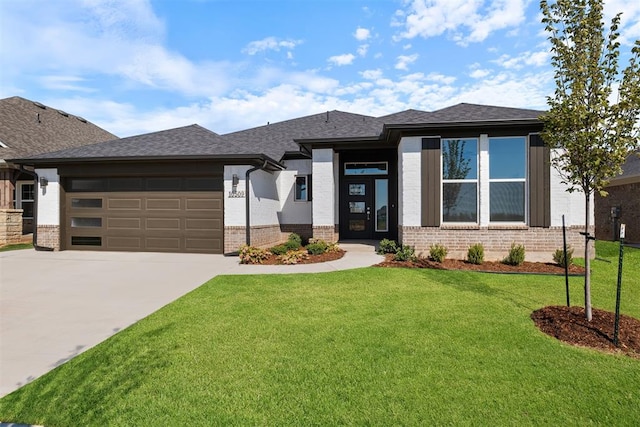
(16, 246)
(371, 346)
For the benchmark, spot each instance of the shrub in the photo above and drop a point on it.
(293, 257)
(317, 247)
(405, 253)
(516, 255)
(438, 252)
(387, 247)
(475, 254)
(294, 241)
(252, 255)
(558, 257)
(279, 249)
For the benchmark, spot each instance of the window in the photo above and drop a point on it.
(460, 180)
(507, 179)
(302, 188)
(27, 197)
(373, 168)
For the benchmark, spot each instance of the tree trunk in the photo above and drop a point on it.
(587, 259)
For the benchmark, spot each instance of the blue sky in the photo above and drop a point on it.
(137, 66)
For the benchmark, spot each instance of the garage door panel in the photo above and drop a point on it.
(123, 223)
(163, 204)
(124, 243)
(203, 204)
(163, 224)
(116, 203)
(170, 244)
(172, 220)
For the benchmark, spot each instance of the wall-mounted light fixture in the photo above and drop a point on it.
(43, 181)
(234, 183)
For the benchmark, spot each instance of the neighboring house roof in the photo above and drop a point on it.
(273, 141)
(630, 171)
(28, 128)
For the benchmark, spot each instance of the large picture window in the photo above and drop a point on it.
(460, 180)
(507, 179)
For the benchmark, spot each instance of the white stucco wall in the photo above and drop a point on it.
(264, 197)
(483, 180)
(409, 181)
(324, 212)
(292, 212)
(49, 198)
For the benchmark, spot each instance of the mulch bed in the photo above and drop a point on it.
(487, 266)
(570, 325)
(312, 259)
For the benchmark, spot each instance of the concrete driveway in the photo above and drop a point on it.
(55, 305)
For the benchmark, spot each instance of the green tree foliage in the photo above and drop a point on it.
(594, 114)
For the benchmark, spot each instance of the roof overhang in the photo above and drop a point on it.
(347, 143)
(260, 160)
(393, 132)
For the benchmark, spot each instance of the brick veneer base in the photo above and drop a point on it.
(10, 226)
(49, 236)
(327, 233)
(495, 240)
(263, 235)
(627, 197)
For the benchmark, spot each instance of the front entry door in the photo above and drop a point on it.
(364, 207)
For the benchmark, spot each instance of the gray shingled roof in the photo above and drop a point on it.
(29, 128)
(192, 140)
(276, 139)
(630, 168)
(473, 112)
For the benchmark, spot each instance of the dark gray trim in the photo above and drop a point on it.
(539, 183)
(431, 178)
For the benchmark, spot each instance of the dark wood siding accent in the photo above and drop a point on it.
(431, 178)
(539, 183)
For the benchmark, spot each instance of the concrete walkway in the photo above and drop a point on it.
(56, 305)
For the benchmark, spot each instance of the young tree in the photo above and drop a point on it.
(594, 114)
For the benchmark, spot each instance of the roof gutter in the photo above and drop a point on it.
(247, 200)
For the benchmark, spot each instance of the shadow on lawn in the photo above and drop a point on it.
(74, 392)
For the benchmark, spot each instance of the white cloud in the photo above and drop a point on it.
(362, 49)
(403, 61)
(534, 59)
(340, 60)
(466, 21)
(479, 73)
(269, 43)
(70, 83)
(362, 34)
(371, 74)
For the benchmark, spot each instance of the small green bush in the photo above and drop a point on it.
(293, 257)
(516, 255)
(405, 253)
(558, 257)
(387, 247)
(317, 247)
(294, 241)
(438, 252)
(475, 254)
(252, 255)
(279, 249)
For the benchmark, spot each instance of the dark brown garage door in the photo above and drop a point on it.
(144, 214)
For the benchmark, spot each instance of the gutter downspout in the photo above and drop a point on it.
(35, 208)
(247, 195)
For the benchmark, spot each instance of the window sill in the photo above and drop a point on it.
(508, 227)
(460, 227)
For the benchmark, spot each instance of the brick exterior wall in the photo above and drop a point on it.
(263, 235)
(49, 236)
(10, 226)
(627, 197)
(496, 240)
(326, 232)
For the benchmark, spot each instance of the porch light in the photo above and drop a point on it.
(43, 181)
